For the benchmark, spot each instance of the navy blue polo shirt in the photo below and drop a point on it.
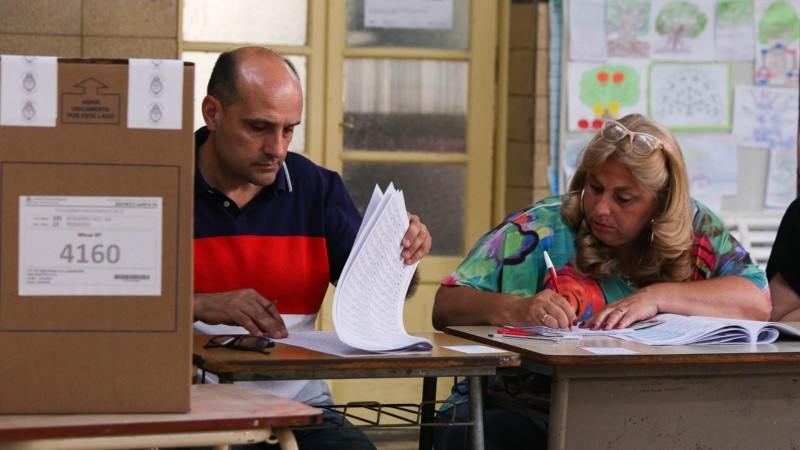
(288, 243)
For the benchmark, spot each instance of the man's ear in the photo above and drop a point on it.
(212, 112)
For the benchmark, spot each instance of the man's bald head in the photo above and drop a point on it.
(222, 84)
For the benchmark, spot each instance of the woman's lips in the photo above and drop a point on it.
(601, 226)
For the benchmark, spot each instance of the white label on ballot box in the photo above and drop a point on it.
(70, 245)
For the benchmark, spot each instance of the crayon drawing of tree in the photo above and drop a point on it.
(625, 22)
(734, 13)
(678, 21)
(606, 89)
(779, 25)
(735, 31)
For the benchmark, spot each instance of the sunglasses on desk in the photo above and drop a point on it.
(245, 342)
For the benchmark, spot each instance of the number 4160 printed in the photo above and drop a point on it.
(90, 254)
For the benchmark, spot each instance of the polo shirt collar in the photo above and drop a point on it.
(283, 181)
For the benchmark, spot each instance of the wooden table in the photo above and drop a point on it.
(713, 396)
(285, 362)
(219, 415)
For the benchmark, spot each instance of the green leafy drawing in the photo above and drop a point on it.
(677, 21)
(607, 88)
(733, 13)
(778, 24)
(778, 27)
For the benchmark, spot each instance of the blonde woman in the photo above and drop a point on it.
(627, 241)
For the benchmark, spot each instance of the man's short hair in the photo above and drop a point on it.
(222, 82)
(291, 67)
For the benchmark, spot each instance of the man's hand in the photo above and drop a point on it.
(245, 308)
(416, 242)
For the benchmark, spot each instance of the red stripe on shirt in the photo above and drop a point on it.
(290, 269)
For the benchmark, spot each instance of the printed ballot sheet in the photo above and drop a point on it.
(369, 297)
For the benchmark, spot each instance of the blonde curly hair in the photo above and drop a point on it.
(662, 172)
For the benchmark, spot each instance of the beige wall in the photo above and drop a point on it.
(90, 28)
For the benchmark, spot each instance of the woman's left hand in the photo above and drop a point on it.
(640, 305)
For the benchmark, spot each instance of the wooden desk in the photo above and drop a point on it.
(285, 362)
(219, 415)
(716, 396)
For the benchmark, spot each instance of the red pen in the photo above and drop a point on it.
(549, 264)
(508, 332)
(512, 331)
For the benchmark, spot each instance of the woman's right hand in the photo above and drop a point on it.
(545, 308)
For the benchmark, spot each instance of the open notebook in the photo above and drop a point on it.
(680, 330)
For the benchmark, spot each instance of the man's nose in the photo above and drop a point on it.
(274, 144)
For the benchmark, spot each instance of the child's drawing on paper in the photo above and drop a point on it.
(711, 165)
(734, 33)
(597, 93)
(766, 117)
(683, 30)
(587, 35)
(573, 147)
(627, 25)
(782, 178)
(778, 31)
(691, 96)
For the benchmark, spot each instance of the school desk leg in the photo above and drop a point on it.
(476, 412)
(428, 399)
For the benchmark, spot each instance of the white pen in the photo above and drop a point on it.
(550, 268)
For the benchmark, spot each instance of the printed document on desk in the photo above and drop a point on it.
(574, 333)
(681, 330)
(328, 342)
(370, 295)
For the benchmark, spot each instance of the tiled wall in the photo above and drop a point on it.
(528, 157)
(541, 93)
(90, 28)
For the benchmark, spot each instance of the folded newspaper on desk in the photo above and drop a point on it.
(370, 295)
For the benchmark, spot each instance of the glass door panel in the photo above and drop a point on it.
(417, 109)
(405, 105)
(441, 26)
(278, 22)
(435, 192)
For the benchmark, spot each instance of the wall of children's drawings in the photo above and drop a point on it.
(722, 75)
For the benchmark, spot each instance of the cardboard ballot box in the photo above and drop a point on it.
(96, 201)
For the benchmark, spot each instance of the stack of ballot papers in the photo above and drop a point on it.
(370, 295)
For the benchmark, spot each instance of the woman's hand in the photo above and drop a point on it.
(545, 308)
(727, 296)
(640, 305)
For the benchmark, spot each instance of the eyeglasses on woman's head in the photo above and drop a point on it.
(641, 143)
